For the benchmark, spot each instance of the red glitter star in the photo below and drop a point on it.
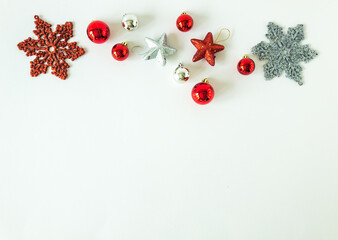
(51, 48)
(206, 49)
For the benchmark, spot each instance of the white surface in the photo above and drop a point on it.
(120, 151)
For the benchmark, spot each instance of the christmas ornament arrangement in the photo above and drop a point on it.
(283, 52)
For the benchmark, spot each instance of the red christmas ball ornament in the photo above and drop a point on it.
(246, 65)
(184, 22)
(98, 31)
(202, 93)
(120, 51)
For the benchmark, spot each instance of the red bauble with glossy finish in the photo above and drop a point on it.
(98, 31)
(120, 51)
(246, 66)
(184, 22)
(202, 93)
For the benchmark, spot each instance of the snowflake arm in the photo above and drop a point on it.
(262, 50)
(60, 69)
(32, 46)
(275, 32)
(272, 70)
(38, 67)
(306, 53)
(296, 34)
(294, 71)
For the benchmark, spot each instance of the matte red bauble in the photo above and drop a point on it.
(120, 51)
(98, 31)
(202, 93)
(246, 66)
(184, 22)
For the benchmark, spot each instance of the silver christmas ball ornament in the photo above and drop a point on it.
(181, 74)
(129, 22)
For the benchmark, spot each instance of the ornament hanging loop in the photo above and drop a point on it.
(133, 50)
(219, 34)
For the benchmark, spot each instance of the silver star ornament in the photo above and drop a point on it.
(158, 50)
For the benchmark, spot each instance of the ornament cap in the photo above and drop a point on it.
(184, 13)
(245, 56)
(124, 43)
(205, 80)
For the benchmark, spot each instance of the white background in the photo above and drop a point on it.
(119, 151)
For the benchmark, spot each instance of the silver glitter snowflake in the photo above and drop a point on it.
(284, 52)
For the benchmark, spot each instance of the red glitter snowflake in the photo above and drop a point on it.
(51, 48)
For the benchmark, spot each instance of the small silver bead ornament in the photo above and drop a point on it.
(181, 74)
(129, 22)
